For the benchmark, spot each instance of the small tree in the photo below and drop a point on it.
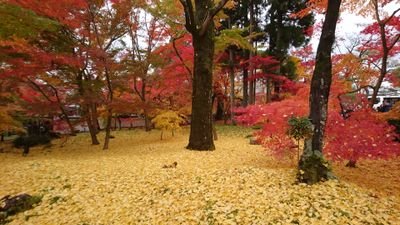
(168, 120)
(299, 129)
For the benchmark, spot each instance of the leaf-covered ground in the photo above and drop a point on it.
(236, 184)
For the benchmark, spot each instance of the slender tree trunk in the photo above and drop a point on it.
(68, 121)
(383, 69)
(386, 47)
(87, 111)
(252, 97)
(245, 87)
(268, 91)
(108, 128)
(147, 122)
(90, 124)
(312, 165)
(109, 106)
(232, 86)
(219, 114)
(232, 79)
(119, 123)
(215, 135)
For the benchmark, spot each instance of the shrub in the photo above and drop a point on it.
(26, 142)
(168, 121)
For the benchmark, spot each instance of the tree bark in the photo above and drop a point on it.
(147, 122)
(201, 136)
(386, 47)
(232, 89)
(87, 108)
(252, 88)
(245, 87)
(91, 124)
(312, 165)
(199, 22)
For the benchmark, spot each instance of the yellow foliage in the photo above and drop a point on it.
(237, 184)
(393, 114)
(168, 120)
(7, 123)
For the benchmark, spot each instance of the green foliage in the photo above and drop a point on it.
(313, 167)
(168, 121)
(231, 37)
(299, 128)
(31, 140)
(17, 204)
(289, 68)
(22, 23)
(8, 123)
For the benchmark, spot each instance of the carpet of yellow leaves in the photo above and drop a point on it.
(236, 184)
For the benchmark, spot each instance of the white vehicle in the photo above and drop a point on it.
(386, 98)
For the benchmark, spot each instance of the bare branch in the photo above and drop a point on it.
(391, 16)
(396, 39)
(180, 57)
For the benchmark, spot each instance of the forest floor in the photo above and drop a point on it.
(237, 183)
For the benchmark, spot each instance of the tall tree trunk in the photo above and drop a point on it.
(201, 136)
(109, 107)
(232, 89)
(245, 87)
(268, 91)
(199, 22)
(232, 79)
(312, 165)
(252, 85)
(386, 47)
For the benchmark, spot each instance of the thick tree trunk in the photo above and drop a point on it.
(199, 22)
(312, 166)
(201, 133)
